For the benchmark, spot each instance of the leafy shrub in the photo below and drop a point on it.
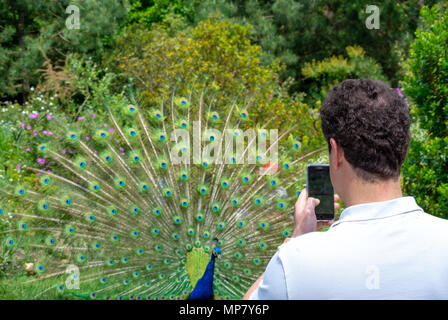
(425, 173)
(214, 54)
(322, 75)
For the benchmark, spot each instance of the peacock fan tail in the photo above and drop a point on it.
(130, 208)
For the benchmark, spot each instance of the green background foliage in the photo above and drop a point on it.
(426, 170)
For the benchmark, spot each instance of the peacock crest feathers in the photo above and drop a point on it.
(131, 204)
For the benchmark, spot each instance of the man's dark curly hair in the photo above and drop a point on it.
(371, 122)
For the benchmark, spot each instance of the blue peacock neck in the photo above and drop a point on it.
(204, 287)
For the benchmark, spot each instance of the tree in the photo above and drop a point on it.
(323, 75)
(215, 53)
(296, 32)
(31, 30)
(425, 173)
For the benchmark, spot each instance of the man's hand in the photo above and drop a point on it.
(305, 218)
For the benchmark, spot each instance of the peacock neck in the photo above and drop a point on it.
(211, 264)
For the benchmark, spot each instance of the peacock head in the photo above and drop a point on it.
(216, 250)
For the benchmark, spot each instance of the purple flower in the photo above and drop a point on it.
(33, 115)
(49, 116)
(18, 166)
(44, 131)
(81, 118)
(87, 138)
(28, 127)
(27, 149)
(41, 160)
(34, 133)
(50, 133)
(111, 130)
(23, 125)
(64, 151)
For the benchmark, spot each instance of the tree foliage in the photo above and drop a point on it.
(215, 53)
(426, 170)
(323, 75)
(297, 32)
(34, 31)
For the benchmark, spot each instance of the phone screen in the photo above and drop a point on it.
(320, 187)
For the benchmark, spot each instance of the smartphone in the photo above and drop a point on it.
(319, 186)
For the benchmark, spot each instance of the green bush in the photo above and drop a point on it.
(214, 54)
(425, 173)
(322, 75)
(35, 31)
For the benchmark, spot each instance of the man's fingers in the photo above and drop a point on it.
(303, 195)
(301, 200)
(314, 201)
(321, 224)
(336, 205)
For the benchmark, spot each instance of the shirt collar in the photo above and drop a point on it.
(378, 210)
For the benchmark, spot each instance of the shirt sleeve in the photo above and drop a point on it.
(273, 285)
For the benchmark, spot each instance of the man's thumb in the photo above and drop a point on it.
(314, 201)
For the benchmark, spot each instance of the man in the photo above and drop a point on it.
(384, 246)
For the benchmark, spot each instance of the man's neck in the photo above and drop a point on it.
(360, 192)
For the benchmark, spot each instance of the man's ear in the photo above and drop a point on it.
(337, 153)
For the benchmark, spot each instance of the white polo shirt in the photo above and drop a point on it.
(379, 250)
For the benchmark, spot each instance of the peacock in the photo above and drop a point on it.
(183, 199)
